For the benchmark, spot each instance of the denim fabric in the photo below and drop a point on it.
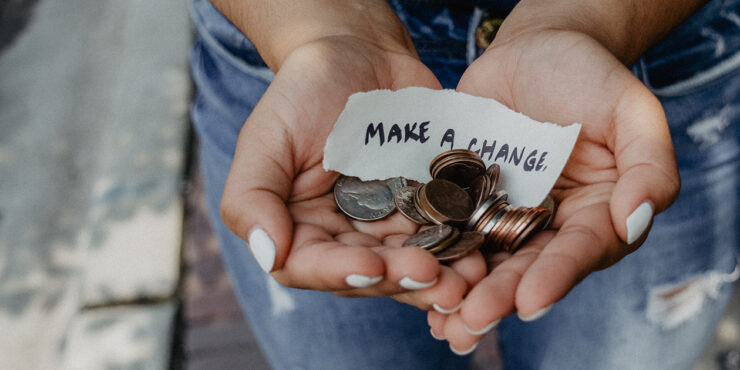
(604, 323)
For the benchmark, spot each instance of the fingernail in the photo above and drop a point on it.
(362, 281)
(262, 248)
(484, 330)
(536, 315)
(412, 284)
(463, 353)
(638, 221)
(434, 336)
(446, 312)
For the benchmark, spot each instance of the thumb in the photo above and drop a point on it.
(648, 176)
(259, 183)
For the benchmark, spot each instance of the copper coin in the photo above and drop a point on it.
(494, 172)
(527, 217)
(480, 189)
(446, 202)
(463, 173)
(363, 200)
(469, 241)
(404, 199)
(534, 227)
(429, 238)
(550, 205)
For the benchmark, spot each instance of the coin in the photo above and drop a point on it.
(534, 227)
(447, 242)
(429, 238)
(404, 199)
(550, 205)
(469, 241)
(445, 202)
(500, 196)
(396, 183)
(363, 200)
(494, 172)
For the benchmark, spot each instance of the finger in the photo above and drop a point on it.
(436, 323)
(259, 184)
(444, 297)
(494, 296)
(317, 261)
(586, 242)
(648, 175)
(406, 269)
(472, 268)
(461, 341)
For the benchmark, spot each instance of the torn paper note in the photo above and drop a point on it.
(382, 134)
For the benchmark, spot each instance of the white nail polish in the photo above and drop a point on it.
(638, 221)
(411, 284)
(484, 330)
(463, 353)
(262, 248)
(362, 281)
(536, 315)
(446, 312)
(434, 336)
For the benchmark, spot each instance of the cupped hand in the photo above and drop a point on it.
(278, 195)
(621, 172)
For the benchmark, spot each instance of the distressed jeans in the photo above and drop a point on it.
(655, 309)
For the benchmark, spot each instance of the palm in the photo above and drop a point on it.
(283, 142)
(565, 77)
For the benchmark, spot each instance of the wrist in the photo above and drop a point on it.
(278, 27)
(625, 28)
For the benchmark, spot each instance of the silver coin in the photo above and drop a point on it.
(404, 199)
(429, 238)
(363, 200)
(396, 183)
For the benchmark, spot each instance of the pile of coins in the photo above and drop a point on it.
(461, 200)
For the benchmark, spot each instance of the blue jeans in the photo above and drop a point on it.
(619, 318)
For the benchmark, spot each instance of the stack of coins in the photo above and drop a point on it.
(505, 227)
(445, 242)
(467, 170)
(462, 194)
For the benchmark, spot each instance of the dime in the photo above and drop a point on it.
(363, 200)
(469, 241)
(429, 238)
(445, 202)
(404, 199)
(500, 196)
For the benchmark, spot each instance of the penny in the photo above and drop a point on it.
(480, 189)
(363, 200)
(429, 238)
(494, 172)
(404, 199)
(537, 225)
(445, 202)
(550, 205)
(469, 241)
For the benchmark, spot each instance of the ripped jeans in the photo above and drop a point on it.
(656, 309)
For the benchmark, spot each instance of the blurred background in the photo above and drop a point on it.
(107, 260)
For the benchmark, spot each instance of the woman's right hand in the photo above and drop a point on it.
(278, 196)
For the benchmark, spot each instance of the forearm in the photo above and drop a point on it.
(626, 28)
(277, 27)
